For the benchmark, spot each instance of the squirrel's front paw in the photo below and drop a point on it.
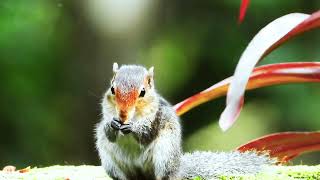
(115, 124)
(126, 128)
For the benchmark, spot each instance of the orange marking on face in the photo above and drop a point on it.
(123, 116)
(125, 102)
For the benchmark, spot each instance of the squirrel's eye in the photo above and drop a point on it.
(112, 90)
(142, 93)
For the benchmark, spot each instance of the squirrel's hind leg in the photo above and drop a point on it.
(112, 169)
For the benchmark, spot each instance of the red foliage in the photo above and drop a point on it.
(243, 10)
(284, 146)
(312, 22)
(268, 75)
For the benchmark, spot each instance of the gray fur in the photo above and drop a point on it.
(210, 165)
(130, 76)
(156, 137)
(153, 149)
(159, 147)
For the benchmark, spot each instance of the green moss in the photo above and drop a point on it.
(59, 173)
(97, 173)
(197, 178)
(282, 173)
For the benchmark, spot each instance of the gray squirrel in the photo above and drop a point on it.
(139, 136)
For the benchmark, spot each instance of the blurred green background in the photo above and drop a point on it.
(56, 58)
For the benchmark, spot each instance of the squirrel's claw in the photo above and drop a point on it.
(126, 128)
(115, 124)
(110, 135)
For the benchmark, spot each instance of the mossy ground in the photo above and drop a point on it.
(59, 173)
(282, 173)
(97, 173)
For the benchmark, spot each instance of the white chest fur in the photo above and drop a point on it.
(134, 154)
(129, 146)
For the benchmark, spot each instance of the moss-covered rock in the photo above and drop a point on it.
(97, 173)
(59, 173)
(282, 173)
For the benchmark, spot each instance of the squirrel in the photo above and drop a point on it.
(139, 136)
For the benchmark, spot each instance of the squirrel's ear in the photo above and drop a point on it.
(150, 71)
(150, 77)
(115, 67)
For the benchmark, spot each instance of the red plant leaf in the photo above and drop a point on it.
(285, 145)
(268, 75)
(270, 37)
(243, 10)
(313, 21)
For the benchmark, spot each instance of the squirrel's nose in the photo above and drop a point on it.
(123, 116)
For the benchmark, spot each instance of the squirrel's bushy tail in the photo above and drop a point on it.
(210, 165)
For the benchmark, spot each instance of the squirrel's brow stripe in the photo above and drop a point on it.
(129, 78)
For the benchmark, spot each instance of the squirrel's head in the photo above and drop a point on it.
(131, 91)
